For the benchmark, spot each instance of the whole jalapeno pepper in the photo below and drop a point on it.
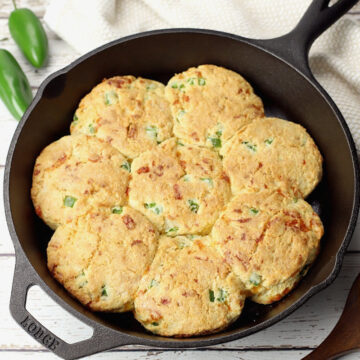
(15, 90)
(29, 34)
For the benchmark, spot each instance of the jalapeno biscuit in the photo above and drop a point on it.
(100, 258)
(189, 290)
(76, 175)
(130, 113)
(269, 239)
(210, 103)
(272, 153)
(180, 188)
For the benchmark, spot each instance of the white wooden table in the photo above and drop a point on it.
(292, 338)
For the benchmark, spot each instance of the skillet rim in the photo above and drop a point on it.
(21, 257)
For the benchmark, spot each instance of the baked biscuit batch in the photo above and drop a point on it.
(178, 202)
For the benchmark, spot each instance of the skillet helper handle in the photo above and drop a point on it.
(102, 338)
(294, 47)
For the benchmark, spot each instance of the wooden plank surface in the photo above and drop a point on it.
(292, 338)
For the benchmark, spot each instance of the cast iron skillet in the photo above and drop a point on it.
(278, 69)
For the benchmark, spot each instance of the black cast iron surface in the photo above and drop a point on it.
(279, 71)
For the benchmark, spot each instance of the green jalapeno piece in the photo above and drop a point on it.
(15, 89)
(29, 34)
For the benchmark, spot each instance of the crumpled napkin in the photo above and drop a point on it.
(334, 57)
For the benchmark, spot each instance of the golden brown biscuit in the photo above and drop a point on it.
(210, 103)
(100, 259)
(268, 238)
(273, 153)
(229, 172)
(189, 290)
(180, 188)
(76, 175)
(130, 113)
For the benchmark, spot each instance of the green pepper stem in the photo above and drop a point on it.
(14, 3)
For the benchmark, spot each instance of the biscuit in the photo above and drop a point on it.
(75, 175)
(180, 188)
(189, 290)
(273, 153)
(130, 113)
(210, 103)
(269, 239)
(100, 258)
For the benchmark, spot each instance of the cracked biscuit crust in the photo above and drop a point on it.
(209, 103)
(100, 258)
(130, 113)
(269, 239)
(180, 188)
(189, 290)
(76, 175)
(273, 153)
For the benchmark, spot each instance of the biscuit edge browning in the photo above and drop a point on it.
(75, 175)
(270, 240)
(211, 303)
(273, 153)
(209, 103)
(129, 113)
(100, 258)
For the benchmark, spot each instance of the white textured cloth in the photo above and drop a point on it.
(334, 57)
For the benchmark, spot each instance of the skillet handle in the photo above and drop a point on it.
(294, 47)
(102, 339)
(318, 18)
